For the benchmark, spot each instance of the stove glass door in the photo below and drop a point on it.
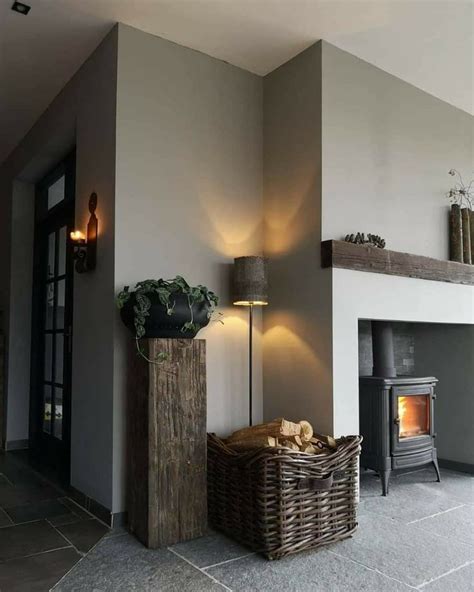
(413, 415)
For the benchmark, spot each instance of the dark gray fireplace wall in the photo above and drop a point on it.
(447, 352)
(403, 345)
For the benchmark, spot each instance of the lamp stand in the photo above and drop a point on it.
(250, 361)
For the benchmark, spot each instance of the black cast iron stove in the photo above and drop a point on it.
(396, 413)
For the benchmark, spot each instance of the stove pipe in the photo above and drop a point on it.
(382, 349)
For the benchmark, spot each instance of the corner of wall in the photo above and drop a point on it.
(298, 322)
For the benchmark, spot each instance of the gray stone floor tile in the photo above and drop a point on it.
(457, 524)
(459, 486)
(17, 495)
(461, 580)
(84, 534)
(122, 564)
(37, 511)
(26, 539)
(211, 549)
(37, 573)
(408, 499)
(311, 571)
(5, 519)
(404, 552)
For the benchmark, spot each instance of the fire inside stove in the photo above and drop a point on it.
(414, 415)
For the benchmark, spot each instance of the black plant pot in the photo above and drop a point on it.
(161, 324)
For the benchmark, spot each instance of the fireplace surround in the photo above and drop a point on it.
(396, 413)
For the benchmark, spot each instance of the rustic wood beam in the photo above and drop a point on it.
(167, 493)
(343, 255)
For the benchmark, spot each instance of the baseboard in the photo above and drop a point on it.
(17, 445)
(119, 519)
(456, 466)
(91, 505)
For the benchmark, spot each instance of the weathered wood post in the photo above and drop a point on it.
(167, 501)
(466, 235)
(455, 234)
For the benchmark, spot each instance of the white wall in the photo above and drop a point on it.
(188, 200)
(387, 150)
(360, 295)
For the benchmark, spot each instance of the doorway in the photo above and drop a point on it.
(50, 396)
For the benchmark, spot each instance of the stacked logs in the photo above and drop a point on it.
(281, 433)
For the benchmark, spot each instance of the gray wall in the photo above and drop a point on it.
(21, 285)
(387, 149)
(447, 352)
(188, 200)
(83, 114)
(297, 324)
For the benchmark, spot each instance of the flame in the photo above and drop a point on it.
(414, 416)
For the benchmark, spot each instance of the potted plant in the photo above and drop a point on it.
(166, 308)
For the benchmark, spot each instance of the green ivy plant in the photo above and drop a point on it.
(166, 290)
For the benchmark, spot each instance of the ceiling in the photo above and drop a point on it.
(428, 43)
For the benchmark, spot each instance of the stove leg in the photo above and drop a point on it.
(435, 464)
(385, 476)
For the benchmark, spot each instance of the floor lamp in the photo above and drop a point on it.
(250, 289)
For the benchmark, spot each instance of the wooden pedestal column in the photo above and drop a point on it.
(167, 442)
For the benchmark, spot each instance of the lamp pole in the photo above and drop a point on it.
(250, 360)
(250, 289)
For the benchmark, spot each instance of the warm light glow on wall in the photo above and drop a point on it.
(230, 229)
(290, 353)
(291, 210)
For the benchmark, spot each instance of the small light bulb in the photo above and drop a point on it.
(77, 235)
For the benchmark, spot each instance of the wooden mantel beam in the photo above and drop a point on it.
(345, 255)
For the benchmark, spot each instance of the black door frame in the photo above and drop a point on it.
(45, 450)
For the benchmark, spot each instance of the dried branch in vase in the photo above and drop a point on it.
(461, 194)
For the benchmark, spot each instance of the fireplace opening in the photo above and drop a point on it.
(414, 415)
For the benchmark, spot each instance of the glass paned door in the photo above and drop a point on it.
(52, 323)
(54, 331)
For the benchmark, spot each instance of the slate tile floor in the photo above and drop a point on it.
(43, 534)
(420, 537)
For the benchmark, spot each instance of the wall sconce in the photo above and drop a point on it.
(85, 247)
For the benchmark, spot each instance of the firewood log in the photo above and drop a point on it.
(296, 439)
(290, 444)
(306, 430)
(328, 441)
(309, 448)
(277, 428)
(255, 442)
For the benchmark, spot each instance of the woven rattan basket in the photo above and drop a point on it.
(278, 501)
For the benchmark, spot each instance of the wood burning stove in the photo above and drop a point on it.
(396, 413)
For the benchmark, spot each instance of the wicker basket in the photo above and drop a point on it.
(278, 501)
